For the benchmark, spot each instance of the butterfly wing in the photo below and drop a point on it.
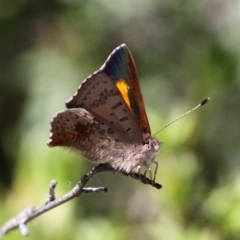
(89, 134)
(120, 73)
(106, 119)
(121, 68)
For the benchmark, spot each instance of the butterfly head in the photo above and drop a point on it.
(151, 147)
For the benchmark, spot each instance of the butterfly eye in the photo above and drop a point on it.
(148, 146)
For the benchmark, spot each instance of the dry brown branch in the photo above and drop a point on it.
(32, 212)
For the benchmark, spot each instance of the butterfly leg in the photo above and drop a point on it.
(156, 168)
(139, 171)
(148, 169)
(150, 173)
(144, 174)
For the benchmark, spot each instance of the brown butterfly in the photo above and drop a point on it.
(106, 119)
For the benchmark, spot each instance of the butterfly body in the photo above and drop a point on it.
(106, 119)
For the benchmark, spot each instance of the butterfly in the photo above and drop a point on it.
(106, 120)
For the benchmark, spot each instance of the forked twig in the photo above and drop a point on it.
(32, 212)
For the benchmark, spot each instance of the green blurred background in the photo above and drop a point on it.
(185, 51)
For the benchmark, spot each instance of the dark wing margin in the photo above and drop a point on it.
(120, 67)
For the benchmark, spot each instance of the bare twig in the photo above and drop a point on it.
(32, 212)
(51, 193)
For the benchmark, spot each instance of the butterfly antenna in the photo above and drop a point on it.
(183, 115)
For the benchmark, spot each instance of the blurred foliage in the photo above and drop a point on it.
(185, 51)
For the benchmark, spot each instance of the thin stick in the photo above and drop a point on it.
(32, 212)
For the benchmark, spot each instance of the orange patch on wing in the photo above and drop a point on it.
(123, 87)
